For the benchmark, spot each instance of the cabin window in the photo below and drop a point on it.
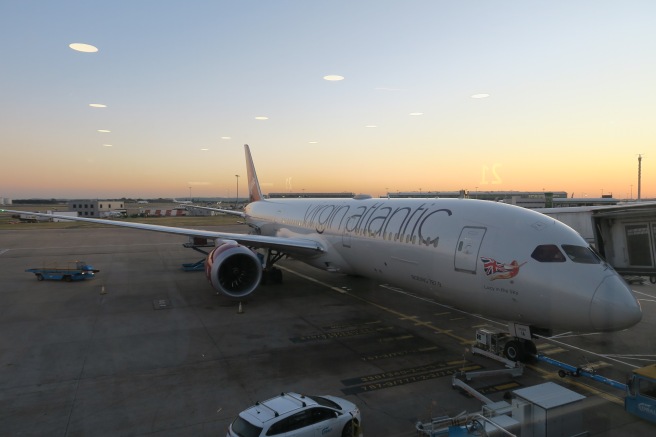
(580, 254)
(548, 253)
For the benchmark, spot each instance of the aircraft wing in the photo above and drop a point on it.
(223, 211)
(293, 246)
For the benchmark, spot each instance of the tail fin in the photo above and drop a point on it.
(254, 192)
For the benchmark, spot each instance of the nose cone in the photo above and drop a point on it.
(613, 306)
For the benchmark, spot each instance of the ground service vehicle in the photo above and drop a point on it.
(640, 390)
(497, 344)
(296, 415)
(79, 271)
(640, 397)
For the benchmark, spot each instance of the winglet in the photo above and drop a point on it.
(254, 192)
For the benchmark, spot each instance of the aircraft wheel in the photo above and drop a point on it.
(530, 349)
(276, 276)
(514, 351)
(652, 279)
(350, 429)
(39, 277)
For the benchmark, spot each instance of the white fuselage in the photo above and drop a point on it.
(474, 255)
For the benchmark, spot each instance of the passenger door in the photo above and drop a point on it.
(325, 423)
(317, 422)
(469, 243)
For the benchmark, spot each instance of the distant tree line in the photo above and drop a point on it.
(59, 201)
(37, 201)
(124, 199)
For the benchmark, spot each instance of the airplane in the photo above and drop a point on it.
(183, 202)
(487, 258)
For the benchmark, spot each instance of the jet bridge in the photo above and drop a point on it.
(624, 234)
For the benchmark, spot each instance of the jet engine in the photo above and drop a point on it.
(233, 269)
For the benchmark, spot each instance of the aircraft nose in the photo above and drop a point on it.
(613, 306)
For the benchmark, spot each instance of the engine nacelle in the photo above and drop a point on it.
(233, 269)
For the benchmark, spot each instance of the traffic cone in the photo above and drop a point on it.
(240, 310)
(102, 290)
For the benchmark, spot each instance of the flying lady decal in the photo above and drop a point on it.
(496, 270)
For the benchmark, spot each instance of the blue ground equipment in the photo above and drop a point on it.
(78, 271)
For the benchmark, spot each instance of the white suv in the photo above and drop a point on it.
(296, 415)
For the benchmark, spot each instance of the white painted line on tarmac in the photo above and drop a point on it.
(586, 351)
(316, 281)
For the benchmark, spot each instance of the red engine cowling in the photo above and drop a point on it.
(233, 269)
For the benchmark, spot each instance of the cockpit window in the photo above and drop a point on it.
(580, 254)
(548, 253)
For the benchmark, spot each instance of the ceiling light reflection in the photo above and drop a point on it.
(85, 48)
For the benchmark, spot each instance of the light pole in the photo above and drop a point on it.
(237, 201)
(639, 177)
(189, 193)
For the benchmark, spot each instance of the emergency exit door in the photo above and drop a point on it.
(469, 243)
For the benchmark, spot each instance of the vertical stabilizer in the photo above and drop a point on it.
(254, 192)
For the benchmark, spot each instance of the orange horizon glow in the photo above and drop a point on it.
(101, 179)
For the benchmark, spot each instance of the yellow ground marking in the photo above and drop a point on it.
(399, 314)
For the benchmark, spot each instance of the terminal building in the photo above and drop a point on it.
(312, 195)
(526, 199)
(585, 201)
(96, 208)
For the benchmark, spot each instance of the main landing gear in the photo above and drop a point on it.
(271, 274)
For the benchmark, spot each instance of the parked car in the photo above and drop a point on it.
(297, 415)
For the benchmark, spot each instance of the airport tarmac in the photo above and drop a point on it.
(146, 348)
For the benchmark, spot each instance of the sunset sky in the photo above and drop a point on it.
(434, 95)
